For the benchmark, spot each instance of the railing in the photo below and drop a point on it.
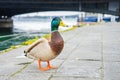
(101, 11)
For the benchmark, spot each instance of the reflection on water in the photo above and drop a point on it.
(4, 31)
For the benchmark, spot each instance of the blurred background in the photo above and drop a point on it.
(25, 19)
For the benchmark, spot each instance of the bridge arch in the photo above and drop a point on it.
(12, 7)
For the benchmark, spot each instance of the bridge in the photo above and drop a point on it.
(9, 8)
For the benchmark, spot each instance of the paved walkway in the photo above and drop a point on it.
(90, 53)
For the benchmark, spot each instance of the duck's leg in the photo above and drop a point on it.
(49, 66)
(40, 66)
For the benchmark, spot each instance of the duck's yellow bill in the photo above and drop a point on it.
(62, 24)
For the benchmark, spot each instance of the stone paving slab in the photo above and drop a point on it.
(90, 53)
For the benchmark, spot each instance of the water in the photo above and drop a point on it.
(15, 39)
(22, 31)
(31, 26)
(26, 28)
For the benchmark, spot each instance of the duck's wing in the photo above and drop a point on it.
(30, 47)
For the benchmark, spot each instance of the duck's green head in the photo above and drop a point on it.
(56, 22)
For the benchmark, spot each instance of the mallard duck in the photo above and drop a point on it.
(46, 50)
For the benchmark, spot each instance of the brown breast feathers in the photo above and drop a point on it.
(56, 42)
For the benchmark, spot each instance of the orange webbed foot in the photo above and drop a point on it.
(47, 68)
(51, 67)
(40, 66)
(44, 69)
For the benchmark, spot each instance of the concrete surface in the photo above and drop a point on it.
(90, 53)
